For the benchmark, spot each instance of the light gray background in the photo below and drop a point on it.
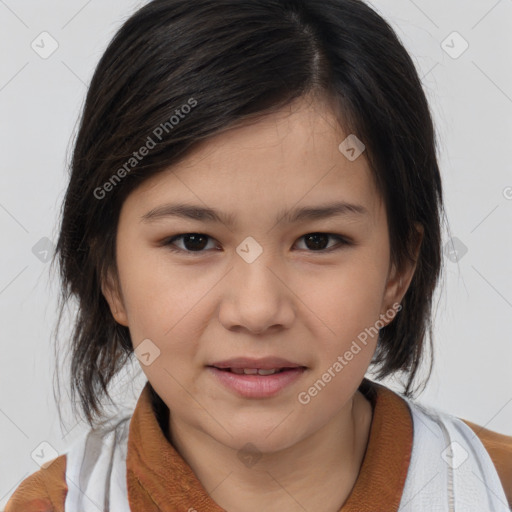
(40, 100)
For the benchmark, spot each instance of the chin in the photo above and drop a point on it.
(263, 441)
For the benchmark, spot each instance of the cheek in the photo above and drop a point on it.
(164, 303)
(165, 308)
(346, 300)
(151, 289)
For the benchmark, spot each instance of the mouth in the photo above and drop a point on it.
(258, 371)
(257, 378)
(251, 365)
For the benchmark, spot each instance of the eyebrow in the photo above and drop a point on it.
(210, 215)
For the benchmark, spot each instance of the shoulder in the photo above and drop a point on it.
(46, 490)
(499, 447)
(43, 491)
(492, 449)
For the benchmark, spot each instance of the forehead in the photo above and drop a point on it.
(288, 158)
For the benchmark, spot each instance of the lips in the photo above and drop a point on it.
(246, 380)
(252, 366)
(254, 371)
(266, 363)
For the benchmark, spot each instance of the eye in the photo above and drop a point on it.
(197, 242)
(194, 242)
(317, 241)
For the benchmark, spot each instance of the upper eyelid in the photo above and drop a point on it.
(180, 235)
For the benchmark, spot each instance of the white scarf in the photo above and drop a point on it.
(450, 469)
(96, 469)
(462, 479)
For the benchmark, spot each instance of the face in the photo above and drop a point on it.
(197, 292)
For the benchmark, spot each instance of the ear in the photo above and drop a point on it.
(398, 282)
(112, 293)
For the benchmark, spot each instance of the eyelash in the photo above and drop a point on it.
(168, 242)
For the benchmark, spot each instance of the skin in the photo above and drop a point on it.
(295, 300)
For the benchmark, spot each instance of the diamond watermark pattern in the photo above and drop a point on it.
(146, 352)
(249, 249)
(454, 455)
(352, 147)
(249, 455)
(45, 45)
(455, 249)
(43, 250)
(44, 454)
(455, 45)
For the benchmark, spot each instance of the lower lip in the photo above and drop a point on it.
(257, 386)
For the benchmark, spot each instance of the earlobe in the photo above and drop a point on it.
(111, 292)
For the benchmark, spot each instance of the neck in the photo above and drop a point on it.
(327, 461)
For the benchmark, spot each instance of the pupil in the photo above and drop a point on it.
(194, 238)
(315, 237)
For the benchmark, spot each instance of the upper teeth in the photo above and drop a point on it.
(254, 371)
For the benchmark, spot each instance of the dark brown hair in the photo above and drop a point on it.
(232, 61)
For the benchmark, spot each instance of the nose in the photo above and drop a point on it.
(256, 297)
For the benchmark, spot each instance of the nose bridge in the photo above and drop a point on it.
(254, 263)
(256, 294)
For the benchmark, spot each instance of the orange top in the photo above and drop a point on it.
(151, 459)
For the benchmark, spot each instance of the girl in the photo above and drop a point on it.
(292, 138)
